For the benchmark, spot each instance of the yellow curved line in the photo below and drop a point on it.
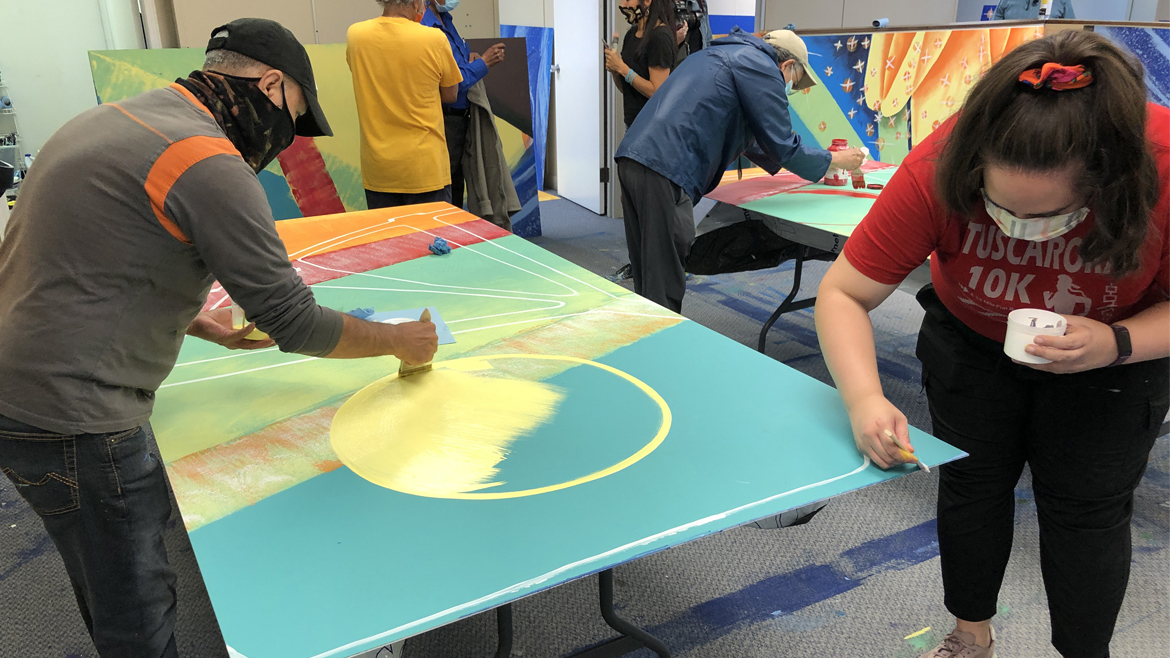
(650, 447)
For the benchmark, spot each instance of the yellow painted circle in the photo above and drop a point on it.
(358, 426)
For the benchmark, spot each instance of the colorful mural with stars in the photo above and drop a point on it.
(888, 90)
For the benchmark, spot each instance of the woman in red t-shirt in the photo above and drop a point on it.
(1048, 190)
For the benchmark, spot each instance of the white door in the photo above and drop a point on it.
(578, 74)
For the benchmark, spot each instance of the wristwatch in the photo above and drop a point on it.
(1124, 346)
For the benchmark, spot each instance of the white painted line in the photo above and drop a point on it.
(233, 374)
(587, 562)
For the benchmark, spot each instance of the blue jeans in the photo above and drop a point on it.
(103, 499)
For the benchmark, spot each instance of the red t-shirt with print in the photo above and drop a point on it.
(981, 275)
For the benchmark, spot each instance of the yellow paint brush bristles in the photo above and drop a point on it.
(907, 456)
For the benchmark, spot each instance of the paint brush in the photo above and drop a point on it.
(858, 174)
(405, 369)
(858, 179)
(907, 456)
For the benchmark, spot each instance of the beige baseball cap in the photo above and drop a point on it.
(788, 40)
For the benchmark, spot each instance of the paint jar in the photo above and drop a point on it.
(835, 176)
(1024, 325)
(239, 322)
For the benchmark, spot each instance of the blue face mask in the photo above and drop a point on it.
(449, 7)
(788, 83)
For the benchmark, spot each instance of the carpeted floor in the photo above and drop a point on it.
(860, 580)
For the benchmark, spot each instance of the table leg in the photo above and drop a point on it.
(504, 631)
(632, 638)
(788, 304)
(605, 587)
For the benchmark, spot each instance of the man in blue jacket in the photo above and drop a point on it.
(474, 68)
(722, 100)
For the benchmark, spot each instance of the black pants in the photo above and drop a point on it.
(660, 228)
(394, 199)
(103, 499)
(455, 126)
(1087, 438)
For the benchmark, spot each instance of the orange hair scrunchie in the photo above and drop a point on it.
(1057, 77)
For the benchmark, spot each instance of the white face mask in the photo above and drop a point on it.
(1036, 229)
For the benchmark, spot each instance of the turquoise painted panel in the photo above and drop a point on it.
(337, 565)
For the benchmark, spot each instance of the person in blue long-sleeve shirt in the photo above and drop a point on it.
(726, 99)
(474, 68)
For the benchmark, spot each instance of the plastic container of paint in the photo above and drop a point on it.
(835, 176)
(1024, 325)
(239, 322)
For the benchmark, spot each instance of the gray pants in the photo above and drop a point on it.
(660, 228)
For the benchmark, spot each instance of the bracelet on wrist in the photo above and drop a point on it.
(630, 76)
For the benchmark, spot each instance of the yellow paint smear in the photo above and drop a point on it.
(465, 365)
(443, 433)
(914, 635)
(438, 433)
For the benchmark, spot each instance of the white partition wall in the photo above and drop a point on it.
(726, 14)
(577, 78)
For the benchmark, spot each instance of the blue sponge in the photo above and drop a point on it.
(440, 247)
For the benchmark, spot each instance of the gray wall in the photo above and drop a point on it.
(806, 14)
(1102, 10)
(969, 10)
(1093, 10)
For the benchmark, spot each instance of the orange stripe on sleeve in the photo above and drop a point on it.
(177, 159)
(140, 122)
(191, 97)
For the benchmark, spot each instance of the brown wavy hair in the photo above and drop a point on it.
(1099, 129)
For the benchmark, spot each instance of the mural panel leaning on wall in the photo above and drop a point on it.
(315, 176)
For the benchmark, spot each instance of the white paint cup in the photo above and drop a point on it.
(238, 320)
(1024, 325)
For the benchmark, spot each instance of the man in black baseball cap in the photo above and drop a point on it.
(130, 212)
(271, 43)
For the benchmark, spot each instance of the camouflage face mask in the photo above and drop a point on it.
(257, 127)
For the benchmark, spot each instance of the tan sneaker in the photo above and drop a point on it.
(961, 645)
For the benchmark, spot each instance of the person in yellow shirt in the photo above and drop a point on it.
(402, 72)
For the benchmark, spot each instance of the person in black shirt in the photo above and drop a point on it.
(648, 53)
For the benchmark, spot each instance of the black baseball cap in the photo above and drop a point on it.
(271, 43)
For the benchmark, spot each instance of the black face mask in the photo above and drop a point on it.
(633, 14)
(256, 126)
